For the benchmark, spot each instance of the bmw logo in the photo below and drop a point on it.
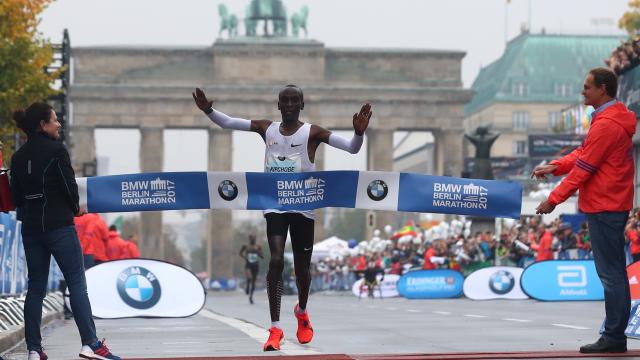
(377, 190)
(138, 287)
(501, 282)
(228, 190)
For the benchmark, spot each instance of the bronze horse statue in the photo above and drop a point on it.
(299, 21)
(228, 21)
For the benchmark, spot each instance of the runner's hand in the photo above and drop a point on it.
(361, 120)
(201, 100)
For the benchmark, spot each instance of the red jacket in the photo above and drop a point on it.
(98, 228)
(116, 247)
(602, 168)
(428, 265)
(85, 236)
(544, 247)
(634, 239)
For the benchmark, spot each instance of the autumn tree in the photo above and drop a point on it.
(630, 21)
(24, 56)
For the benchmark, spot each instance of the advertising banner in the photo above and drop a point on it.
(562, 280)
(431, 284)
(373, 190)
(143, 288)
(8, 254)
(633, 273)
(553, 145)
(497, 282)
(387, 287)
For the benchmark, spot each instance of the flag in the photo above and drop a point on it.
(408, 229)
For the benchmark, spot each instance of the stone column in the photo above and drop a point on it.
(449, 154)
(220, 251)
(319, 232)
(151, 160)
(83, 147)
(379, 158)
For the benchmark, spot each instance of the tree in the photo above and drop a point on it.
(24, 56)
(630, 21)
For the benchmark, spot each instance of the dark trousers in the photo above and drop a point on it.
(607, 240)
(64, 245)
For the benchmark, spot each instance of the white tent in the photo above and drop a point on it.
(332, 247)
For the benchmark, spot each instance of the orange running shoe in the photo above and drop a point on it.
(305, 331)
(276, 337)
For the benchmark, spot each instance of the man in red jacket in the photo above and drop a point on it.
(602, 168)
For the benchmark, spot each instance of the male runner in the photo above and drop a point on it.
(291, 147)
(250, 254)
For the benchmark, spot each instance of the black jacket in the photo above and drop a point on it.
(43, 185)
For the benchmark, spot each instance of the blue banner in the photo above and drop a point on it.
(302, 191)
(449, 195)
(431, 284)
(8, 253)
(148, 192)
(562, 280)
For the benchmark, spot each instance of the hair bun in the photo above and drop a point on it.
(19, 116)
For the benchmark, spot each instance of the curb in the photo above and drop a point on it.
(11, 338)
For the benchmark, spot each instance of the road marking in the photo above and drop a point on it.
(517, 320)
(180, 342)
(442, 312)
(391, 308)
(413, 311)
(258, 334)
(475, 316)
(571, 326)
(371, 307)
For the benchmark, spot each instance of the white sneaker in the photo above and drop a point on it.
(34, 355)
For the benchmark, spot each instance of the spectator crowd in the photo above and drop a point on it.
(451, 245)
(101, 243)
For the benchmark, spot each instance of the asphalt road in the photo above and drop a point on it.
(230, 326)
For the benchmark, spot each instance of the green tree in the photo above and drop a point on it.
(630, 20)
(24, 56)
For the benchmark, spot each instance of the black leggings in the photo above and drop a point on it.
(301, 230)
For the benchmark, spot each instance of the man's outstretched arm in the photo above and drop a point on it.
(225, 121)
(352, 145)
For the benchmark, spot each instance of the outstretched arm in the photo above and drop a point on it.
(225, 121)
(352, 145)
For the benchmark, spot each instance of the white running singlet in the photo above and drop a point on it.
(287, 154)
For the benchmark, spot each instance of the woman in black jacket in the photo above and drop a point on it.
(45, 192)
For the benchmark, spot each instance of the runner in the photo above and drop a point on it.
(250, 254)
(291, 147)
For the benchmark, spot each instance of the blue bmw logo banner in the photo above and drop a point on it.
(138, 287)
(501, 282)
(228, 190)
(377, 190)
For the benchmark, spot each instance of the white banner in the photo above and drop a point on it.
(143, 288)
(497, 282)
(387, 288)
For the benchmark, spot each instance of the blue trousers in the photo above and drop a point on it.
(64, 245)
(607, 240)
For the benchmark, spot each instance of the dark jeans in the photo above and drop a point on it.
(64, 245)
(607, 240)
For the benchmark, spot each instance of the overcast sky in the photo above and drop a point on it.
(474, 26)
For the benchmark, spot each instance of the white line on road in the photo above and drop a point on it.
(517, 320)
(571, 326)
(371, 307)
(391, 308)
(180, 342)
(257, 333)
(413, 311)
(475, 316)
(442, 312)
